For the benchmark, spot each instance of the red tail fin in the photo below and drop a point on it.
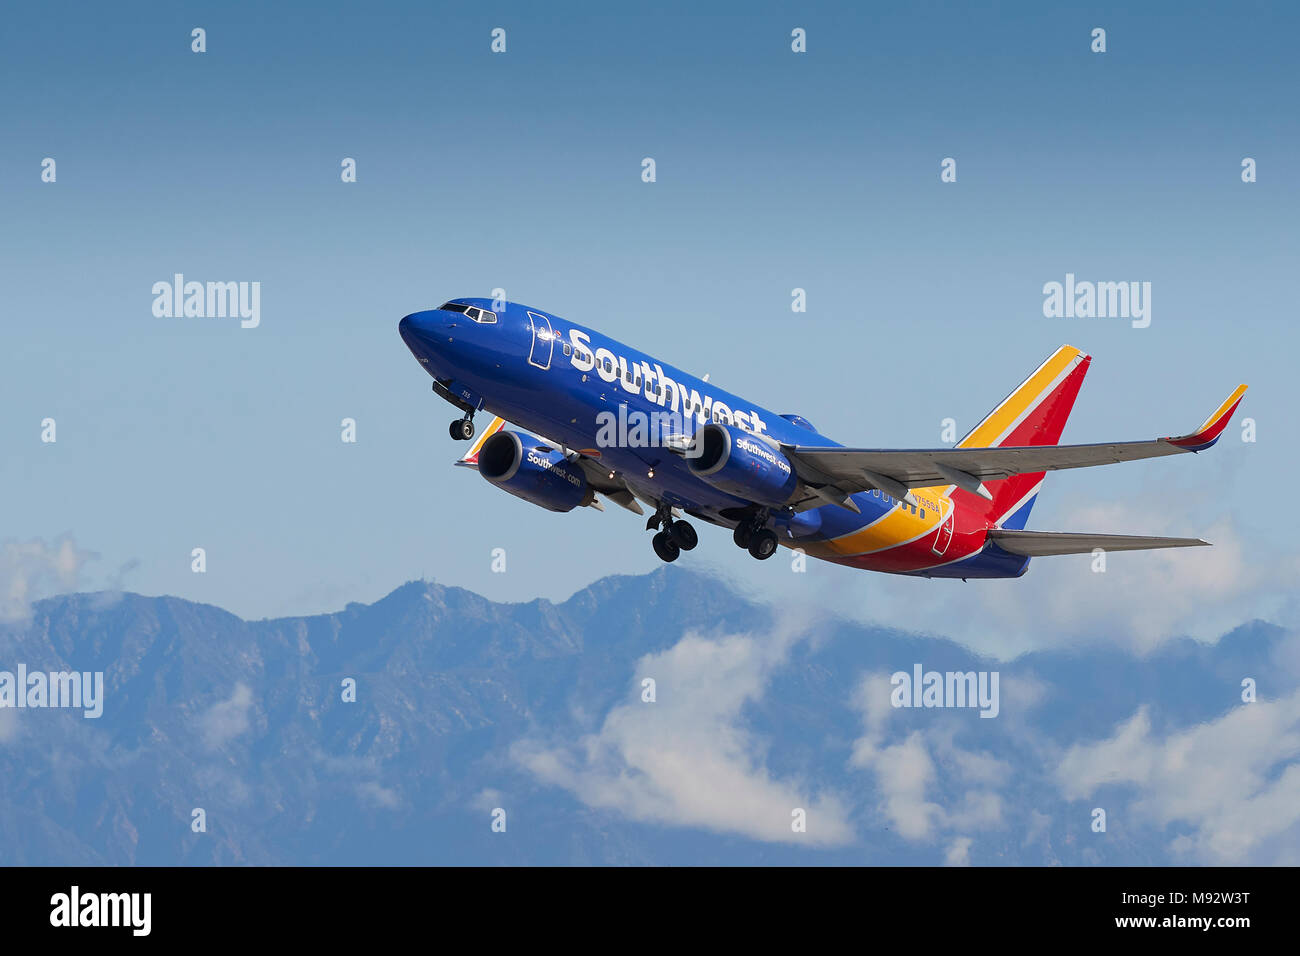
(1034, 414)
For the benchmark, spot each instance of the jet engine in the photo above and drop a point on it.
(540, 475)
(742, 464)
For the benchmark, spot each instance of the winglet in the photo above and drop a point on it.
(1213, 427)
(470, 459)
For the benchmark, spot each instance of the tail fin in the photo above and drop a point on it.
(1034, 414)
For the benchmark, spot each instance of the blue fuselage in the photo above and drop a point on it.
(561, 381)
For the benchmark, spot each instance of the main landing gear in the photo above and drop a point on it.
(675, 537)
(758, 540)
(462, 429)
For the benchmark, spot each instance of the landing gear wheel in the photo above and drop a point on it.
(665, 547)
(462, 429)
(742, 535)
(762, 543)
(683, 535)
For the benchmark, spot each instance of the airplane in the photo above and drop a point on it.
(596, 419)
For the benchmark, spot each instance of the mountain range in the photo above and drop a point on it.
(464, 707)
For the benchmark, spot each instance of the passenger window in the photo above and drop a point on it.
(568, 350)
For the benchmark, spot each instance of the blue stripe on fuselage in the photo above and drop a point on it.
(990, 562)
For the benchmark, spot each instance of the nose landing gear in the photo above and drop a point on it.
(462, 429)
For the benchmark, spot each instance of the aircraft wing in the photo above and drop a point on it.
(894, 471)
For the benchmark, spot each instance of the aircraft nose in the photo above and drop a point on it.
(428, 335)
(415, 327)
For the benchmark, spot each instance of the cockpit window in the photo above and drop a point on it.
(482, 316)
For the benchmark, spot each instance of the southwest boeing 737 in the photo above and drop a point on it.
(621, 425)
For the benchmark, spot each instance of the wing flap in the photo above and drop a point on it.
(624, 499)
(1036, 544)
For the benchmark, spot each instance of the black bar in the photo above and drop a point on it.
(333, 906)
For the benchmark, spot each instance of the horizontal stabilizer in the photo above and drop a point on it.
(1041, 543)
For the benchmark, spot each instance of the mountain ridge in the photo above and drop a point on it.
(246, 720)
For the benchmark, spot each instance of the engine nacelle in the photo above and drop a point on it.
(742, 464)
(543, 477)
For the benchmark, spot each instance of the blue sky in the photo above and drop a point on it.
(522, 171)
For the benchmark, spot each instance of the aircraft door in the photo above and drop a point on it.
(943, 537)
(543, 340)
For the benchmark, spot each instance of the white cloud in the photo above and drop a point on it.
(1235, 780)
(687, 759)
(372, 792)
(906, 773)
(8, 724)
(1036, 828)
(958, 852)
(33, 569)
(1230, 787)
(227, 719)
(903, 773)
(363, 772)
